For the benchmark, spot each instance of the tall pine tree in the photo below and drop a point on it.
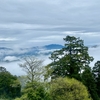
(71, 59)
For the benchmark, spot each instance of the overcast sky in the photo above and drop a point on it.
(28, 23)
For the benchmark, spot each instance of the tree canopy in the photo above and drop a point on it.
(9, 85)
(34, 91)
(71, 59)
(96, 72)
(68, 89)
(33, 68)
(89, 81)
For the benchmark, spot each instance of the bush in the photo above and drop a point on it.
(34, 91)
(68, 89)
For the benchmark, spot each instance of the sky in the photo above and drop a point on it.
(29, 23)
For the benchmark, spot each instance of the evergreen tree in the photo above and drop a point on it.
(89, 82)
(71, 59)
(96, 72)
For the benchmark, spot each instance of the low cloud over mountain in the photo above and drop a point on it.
(10, 58)
(9, 55)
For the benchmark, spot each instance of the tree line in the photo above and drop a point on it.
(68, 77)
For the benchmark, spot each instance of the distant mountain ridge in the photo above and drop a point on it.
(53, 46)
(22, 52)
(8, 54)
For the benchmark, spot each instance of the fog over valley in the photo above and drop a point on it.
(11, 63)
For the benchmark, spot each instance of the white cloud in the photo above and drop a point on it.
(51, 37)
(21, 26)
(28, 23)
(81, 33)
(39, 41)
(94, 52)
(13, 68)
(10, 58)
(8, 39)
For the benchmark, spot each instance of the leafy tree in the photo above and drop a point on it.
(9, 85)
(71, 59)
(96, 72)
(89, 82)
(68, 89)
(33, 67)
(2, 69)
(34, 91)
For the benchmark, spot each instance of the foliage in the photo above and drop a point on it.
(33, 67)
(34, 91)
(96, 72)
(70, 60)
(73, 61)
(9, 85)
(88, 80)
(68, 89)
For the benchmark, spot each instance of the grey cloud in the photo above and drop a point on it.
(29, 23)
(51, 12)
(29, 20)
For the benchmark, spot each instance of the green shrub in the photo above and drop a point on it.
(68, 89)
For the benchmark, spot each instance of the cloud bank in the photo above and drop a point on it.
(27, 23)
